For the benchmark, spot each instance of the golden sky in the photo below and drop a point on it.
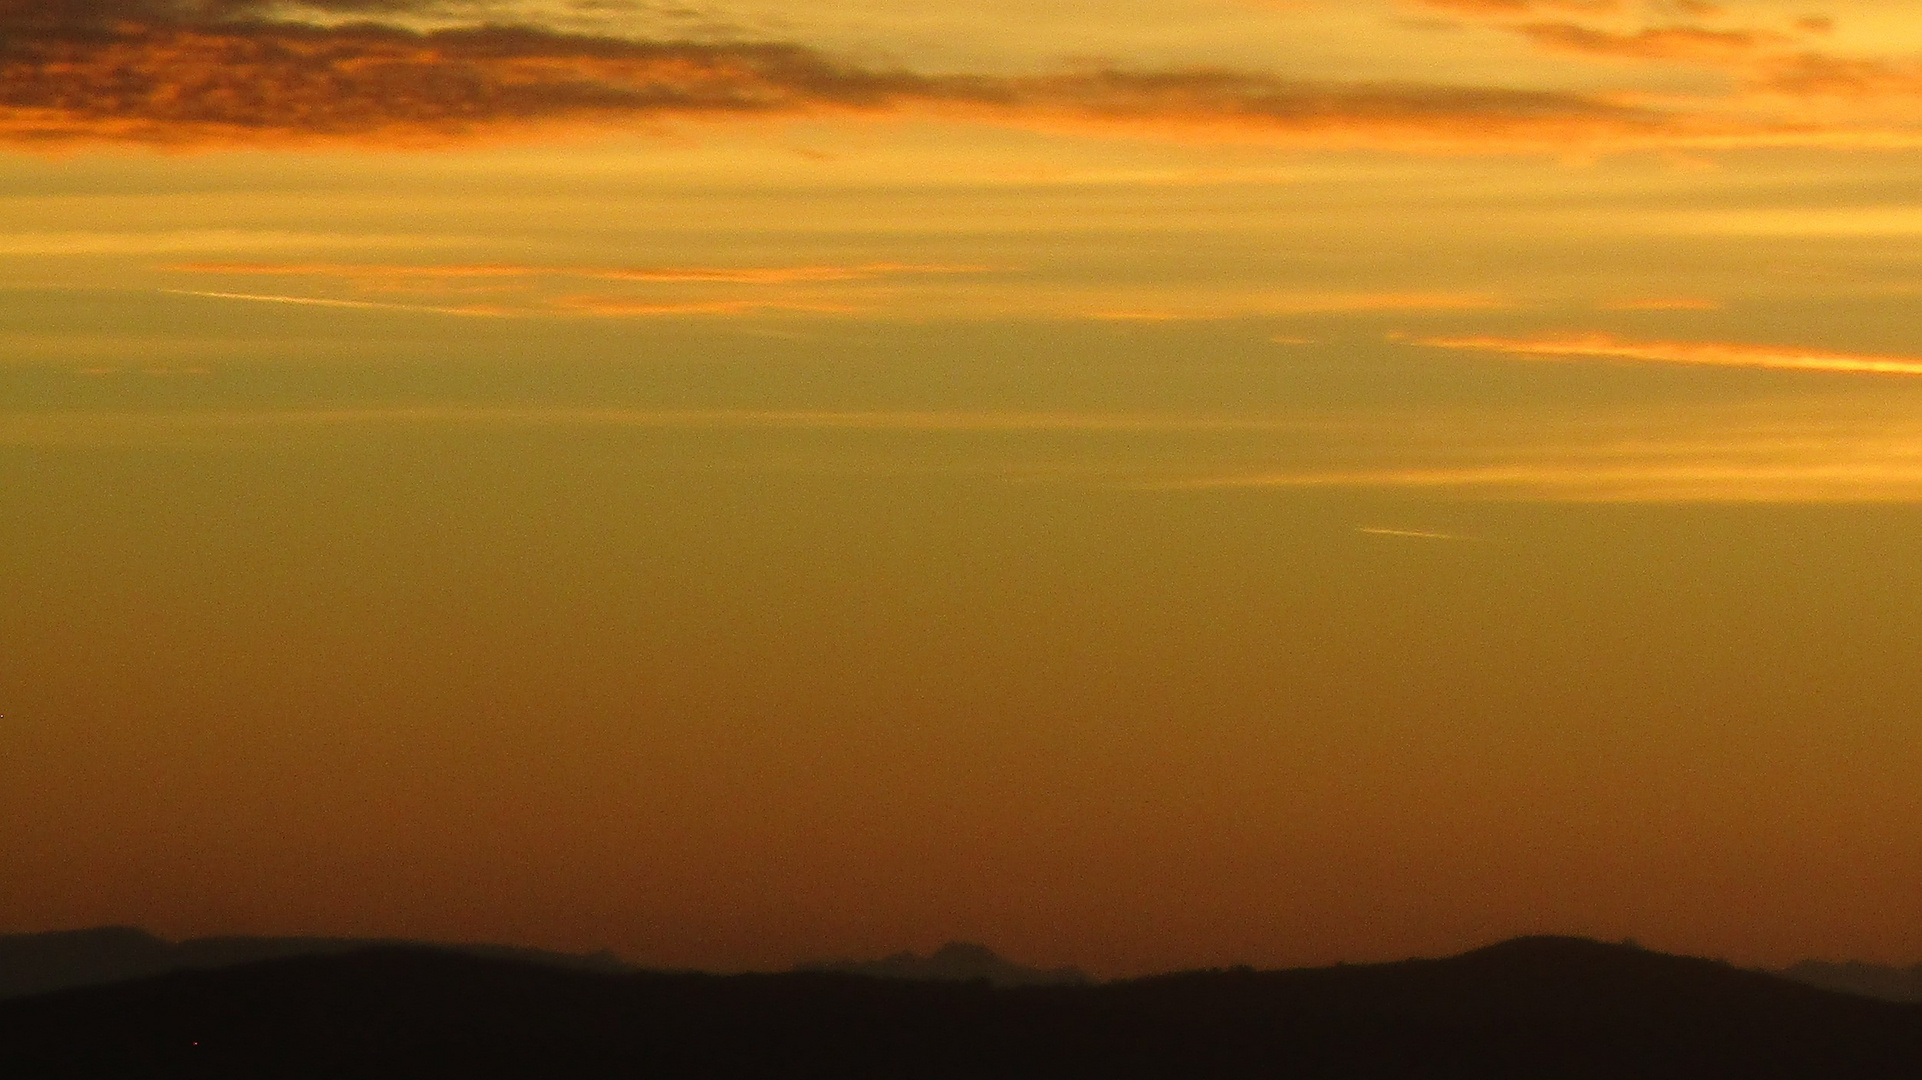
(1206, 481)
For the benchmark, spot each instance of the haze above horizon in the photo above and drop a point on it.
(1268, 481)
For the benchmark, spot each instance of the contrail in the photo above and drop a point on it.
(315, 301)
(1414, 534)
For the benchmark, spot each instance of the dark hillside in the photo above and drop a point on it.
(33, 964)
(1541, 1009)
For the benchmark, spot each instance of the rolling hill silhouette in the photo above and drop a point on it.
(1533, 1008)
(1854, 977)
(59, 960)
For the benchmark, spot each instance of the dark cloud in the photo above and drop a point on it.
(94, 14)
(1812, 74)
(217, 72)
(1655, 43)
(1522, 7)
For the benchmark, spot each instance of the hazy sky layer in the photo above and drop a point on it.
(1229, 481)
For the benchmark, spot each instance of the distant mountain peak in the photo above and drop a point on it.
(1867, 980)
(957, 961)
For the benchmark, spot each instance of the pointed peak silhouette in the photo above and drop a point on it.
(957, 961)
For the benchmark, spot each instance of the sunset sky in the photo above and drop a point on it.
(1143, 485)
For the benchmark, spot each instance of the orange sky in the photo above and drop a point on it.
(1237, 481)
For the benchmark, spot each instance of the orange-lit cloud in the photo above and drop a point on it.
(621, 307)
(233, 73)
(1523, 7)
(1600, 346)
(782, 275)
(1657, 473)
(182, 76)
(1680, 457)
(1819, 74)
(1768, 57)
(1691, 43)
(175, 242)
(1397, 301)
(1310, 303)
(1661, 303)
(1408, 115)
(1139, 315)
(1811, 453)
(1766, 62)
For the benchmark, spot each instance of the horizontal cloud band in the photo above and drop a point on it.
(149, 74)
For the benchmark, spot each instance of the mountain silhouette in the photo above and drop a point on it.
(1529, 1009)
(59, 960)
(957, 961)
(1854, 977)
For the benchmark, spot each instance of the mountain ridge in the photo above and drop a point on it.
(1883, 981)
(1530, 1008)
(38, 963)
(46, 961)
(958, 961)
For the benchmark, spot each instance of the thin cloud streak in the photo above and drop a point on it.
(318, 301)
(1783, 462)
(909, 420)
(1893, 476)
(181, 241)
(1855, 449)
(1661, 303)
(805, 289)
(515, 288)
(618, 307)
(1848, 222)
(1308, 303)
(1769, 61)
(591, 306)
(1673, 459)
(1406, 534)
(720, 275)
(1687, 43)
(1523, 7)
(1602, 346)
